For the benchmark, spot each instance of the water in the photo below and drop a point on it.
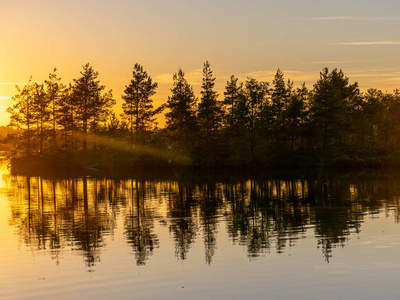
(313, 235)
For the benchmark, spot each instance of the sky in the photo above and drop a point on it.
(251, 38)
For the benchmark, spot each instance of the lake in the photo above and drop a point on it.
(190, 235)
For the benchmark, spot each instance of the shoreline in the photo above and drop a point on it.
(76, 164)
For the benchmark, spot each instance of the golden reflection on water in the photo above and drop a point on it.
(95, 218)
(262, 215)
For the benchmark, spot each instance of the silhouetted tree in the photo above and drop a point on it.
(280, 98)
(42, 112)
(138, 105)
(181, 121)
(332, 103)
(88, 101)
(209, 116)
(232, 91)
(54, 91)
(23, 116)
(249, 111)
(296, 115)
(68, 118)
(255, 123)
(209, 110)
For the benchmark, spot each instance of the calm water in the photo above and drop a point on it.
(283, 236)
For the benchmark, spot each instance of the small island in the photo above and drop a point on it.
(254, 124)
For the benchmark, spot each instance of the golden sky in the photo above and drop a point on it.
(244, 38)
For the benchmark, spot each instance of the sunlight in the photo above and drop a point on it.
(4, 115)
(138, 149)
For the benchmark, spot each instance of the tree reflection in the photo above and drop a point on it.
(263, 215)
(51, 215)
(182, 214)
(139, 222)
(210, 198)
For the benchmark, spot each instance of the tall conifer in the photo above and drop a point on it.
(138, 105)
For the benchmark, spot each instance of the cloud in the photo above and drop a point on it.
(358, 18)
(163, 78)
(259, 74)
(267, 76)
(374, 75)
(372, 43)
(193, 77)
(393, 79)
(340, 62)
(11, 83)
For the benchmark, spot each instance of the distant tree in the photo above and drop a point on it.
(388, 128)
(296, 114)
(41, 111)
(249, 114)
(138, 105)
(22, 115)
(54, 90)
(68, 119)
(90, 105)
(113, 125)
(280, 96)
(102, 111)
(181, 121)
(232, 91)
(209, 109)
(332, 104)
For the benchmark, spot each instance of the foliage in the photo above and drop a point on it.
(333, 104)
(181, 119)
(138, 106)
(256, 124)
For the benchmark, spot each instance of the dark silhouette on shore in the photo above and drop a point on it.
(254, 124)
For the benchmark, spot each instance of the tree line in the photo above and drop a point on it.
(254, 123)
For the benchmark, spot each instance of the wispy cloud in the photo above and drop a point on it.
(268, 76)
(11, 83)
(193, 77)
(163, 78)
(359, 18)
(374, 75)
(339, 62)
(393, 79)
(371, 43)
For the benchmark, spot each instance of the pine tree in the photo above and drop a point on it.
(232, 91)
(250, 111)
(280, 96)
(138, 105)
(181, 121)
(67, 116)
(332, 103)
(54, 91)
(42, 112)
(89, 103)
(209, 110)
(295, 115)
(22, 116)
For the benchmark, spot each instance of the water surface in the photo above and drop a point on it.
(303, 235)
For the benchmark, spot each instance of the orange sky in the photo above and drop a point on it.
(245, 38)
